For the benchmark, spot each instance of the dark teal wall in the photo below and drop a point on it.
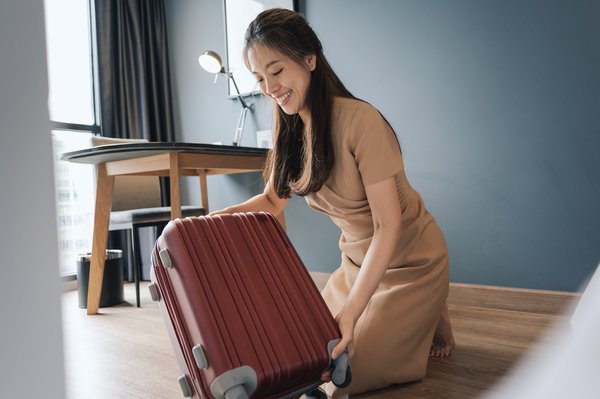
(497, 107)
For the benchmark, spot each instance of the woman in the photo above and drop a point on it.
(338, 152)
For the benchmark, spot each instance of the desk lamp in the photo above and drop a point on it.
(211, 62)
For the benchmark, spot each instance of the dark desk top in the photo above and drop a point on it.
(117, 152)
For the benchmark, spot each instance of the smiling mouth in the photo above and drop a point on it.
(283, 98)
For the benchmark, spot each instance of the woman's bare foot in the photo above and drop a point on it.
(443, 339)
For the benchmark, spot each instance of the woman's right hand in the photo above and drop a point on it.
(224, 211)
(267, 201)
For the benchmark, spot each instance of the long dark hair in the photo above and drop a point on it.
(301, 159)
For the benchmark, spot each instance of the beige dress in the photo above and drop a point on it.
(393, 336)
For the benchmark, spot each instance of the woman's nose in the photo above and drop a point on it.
(270, 86)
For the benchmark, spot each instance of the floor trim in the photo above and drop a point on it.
(553, 303)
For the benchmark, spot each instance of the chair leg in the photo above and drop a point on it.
(137, 261)
(159, 228)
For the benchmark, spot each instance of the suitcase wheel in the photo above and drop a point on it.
(236, 392)
(316, 393)
(238, 383)
(341, 376)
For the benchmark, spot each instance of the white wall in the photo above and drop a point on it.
(31, 349)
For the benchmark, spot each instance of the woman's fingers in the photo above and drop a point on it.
(340, 347)
(345, 343)
(326, 376)
(219, 212)
(346, 325)
(351, 350)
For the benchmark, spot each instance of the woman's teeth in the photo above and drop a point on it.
(283, 98)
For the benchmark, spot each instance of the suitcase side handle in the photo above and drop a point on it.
(186, 390)
(341, 376)
(165, 258)
(200, 357)
(154, 292)
(238, 383)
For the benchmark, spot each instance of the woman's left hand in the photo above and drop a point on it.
(346, 323)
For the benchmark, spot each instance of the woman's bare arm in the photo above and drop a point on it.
(387, 221)
(267, 201)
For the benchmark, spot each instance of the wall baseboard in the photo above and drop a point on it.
(69, 285)
(554, 303)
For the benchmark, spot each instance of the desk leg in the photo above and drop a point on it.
(104, 189)
(203, 189)
(175, 186)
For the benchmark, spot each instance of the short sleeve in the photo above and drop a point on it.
(375, 146)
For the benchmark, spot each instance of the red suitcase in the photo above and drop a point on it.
(244, 316)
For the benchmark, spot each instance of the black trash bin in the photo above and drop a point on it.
(112, 283)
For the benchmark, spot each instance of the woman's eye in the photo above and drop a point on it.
(278, 72)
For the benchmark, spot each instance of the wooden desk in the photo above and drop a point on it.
(155, 159)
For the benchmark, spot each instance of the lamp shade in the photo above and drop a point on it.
(211, 62)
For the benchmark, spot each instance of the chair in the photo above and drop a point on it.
(136, 203)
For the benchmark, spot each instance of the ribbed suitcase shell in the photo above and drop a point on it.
(239, 290)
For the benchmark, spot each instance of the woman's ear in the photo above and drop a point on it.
(311, 62)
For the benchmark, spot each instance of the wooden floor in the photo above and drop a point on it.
(125, 352)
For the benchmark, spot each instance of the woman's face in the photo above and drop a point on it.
(285, 80)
